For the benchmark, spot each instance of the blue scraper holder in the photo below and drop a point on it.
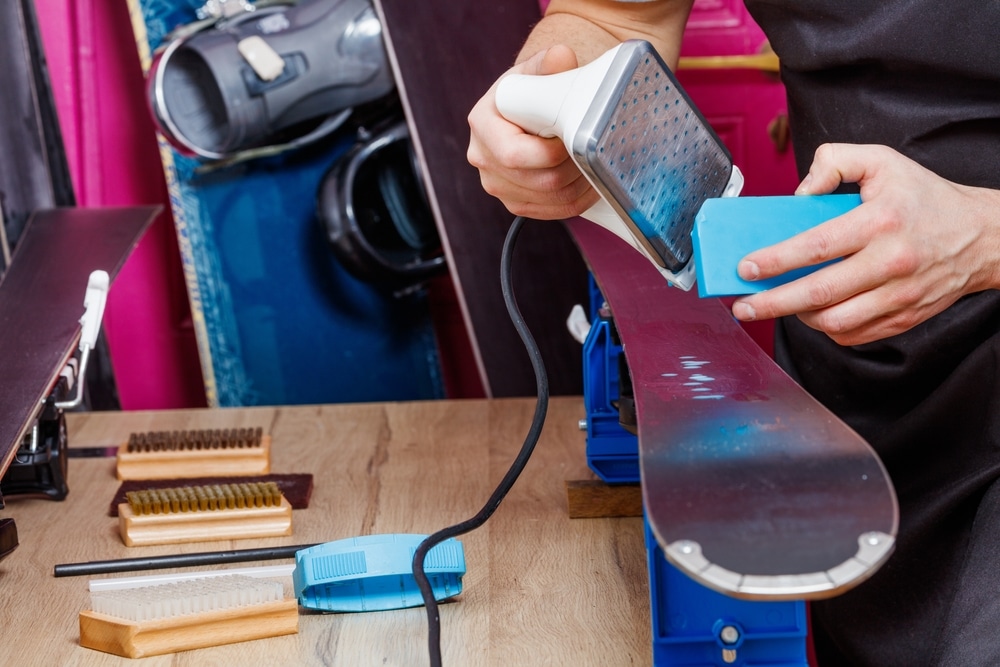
(696, 626)
(374, 573)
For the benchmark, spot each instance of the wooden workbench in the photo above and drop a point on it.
(541, 589)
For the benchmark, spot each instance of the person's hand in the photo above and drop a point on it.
(915, 245)
(532, 176)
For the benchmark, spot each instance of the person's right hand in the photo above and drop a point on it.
(532, 176)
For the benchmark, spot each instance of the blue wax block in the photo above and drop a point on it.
(727, 229)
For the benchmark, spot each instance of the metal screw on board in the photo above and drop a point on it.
(729, 635)
(582, 424)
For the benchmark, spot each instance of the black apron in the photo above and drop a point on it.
(923, 78)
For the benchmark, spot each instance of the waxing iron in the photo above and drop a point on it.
(637, 137)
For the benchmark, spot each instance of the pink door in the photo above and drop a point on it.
(114, 161)
(745, 104)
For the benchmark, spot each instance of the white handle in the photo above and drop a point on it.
(93, 302)
(553, 105)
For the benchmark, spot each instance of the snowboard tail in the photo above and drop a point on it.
(749, 484)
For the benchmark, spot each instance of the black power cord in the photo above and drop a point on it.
(542, 383)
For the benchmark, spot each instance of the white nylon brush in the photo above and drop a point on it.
(145, 619)
(636, 136)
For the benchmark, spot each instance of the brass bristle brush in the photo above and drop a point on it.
(195, 453)
(204, 513)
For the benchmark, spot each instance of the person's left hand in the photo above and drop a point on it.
(915, 245)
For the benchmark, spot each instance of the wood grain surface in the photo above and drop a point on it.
(541, 588)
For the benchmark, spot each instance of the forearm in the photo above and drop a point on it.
(591, 27)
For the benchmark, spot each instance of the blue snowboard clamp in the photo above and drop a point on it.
(696, 626)
(612, 451)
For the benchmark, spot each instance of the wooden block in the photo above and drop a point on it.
(592, 498)
(133, 639)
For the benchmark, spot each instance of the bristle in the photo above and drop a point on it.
(148, 603)
(171, 441)
(204, 498)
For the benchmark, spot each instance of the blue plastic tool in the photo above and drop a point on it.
(727, 229)
(694, 625)
(374, 573)
(612, 451)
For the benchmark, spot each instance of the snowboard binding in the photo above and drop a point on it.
(255, 79)
(373, 206)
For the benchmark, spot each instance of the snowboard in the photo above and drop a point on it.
(41, 303)
(750, 485)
